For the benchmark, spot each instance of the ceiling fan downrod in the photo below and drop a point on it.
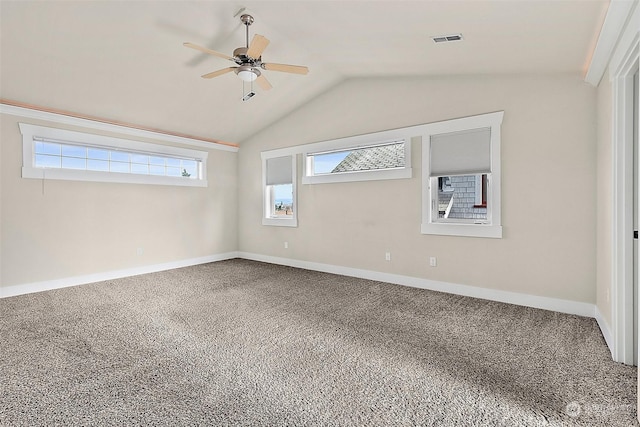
(246, 20)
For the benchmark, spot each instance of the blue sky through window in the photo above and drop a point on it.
(283, 192)
(55, 155)
(324, 163)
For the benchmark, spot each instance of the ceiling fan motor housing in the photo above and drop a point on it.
(241, 57)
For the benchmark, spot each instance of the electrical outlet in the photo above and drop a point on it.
(286, 245)
(433, 261)
(139, 251)
(387, 256)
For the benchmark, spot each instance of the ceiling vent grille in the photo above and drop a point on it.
(447, 38)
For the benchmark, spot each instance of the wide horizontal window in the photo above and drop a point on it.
(52, 153)
(375, 157)
(363, 162)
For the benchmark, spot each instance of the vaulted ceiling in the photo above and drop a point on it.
(125, 60)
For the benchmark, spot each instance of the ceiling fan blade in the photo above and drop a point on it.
(218, 73)
(295, 69)
(258, 45)
(263, 82)
(209, 51)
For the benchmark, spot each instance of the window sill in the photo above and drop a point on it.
(465, 230)
(99, 176)
(280, 222)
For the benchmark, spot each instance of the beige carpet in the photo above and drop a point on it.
(245, 343)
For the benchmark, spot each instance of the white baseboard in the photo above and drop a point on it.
(545, 303)
(604, 327)
(109, 275)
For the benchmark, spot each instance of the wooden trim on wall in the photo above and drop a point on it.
(113, 122)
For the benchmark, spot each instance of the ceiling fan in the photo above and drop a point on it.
(249, 60)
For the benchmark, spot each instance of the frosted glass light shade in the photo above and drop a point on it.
(247, 75)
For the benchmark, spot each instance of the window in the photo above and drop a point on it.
(359, 158)
(461, 177)
(386, 156)
(462, 197)
(279, 176)
(50, 153)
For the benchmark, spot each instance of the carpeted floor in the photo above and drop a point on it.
(245, 343)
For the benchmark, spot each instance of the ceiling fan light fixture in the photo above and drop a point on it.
(247, 74)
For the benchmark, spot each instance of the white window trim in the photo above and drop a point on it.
(492, 228)
(267, 197)
(29, 132)
(352, 143)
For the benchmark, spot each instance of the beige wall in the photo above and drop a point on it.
(548, 170)
(60, 229)
(604, 198)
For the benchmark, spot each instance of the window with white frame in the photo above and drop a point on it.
(279, 185)
(461, 177)
(51, 153)
(384, 155)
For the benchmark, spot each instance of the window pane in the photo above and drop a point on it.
(388, 156)
(74, 151)
(47, 148)
(283, 200)
(157, 170)
(81, 156)
(457, 197)
(98, 165)
(44, 161)
(157, 160)
(174, 171)
(190, 168)
(119, 167)
(49, 154)
(74, 163)
(119, 156)
(98, 154)
(173, 162)
(138, 168)
(326, 163)
(140, 158)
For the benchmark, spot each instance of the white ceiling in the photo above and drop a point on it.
(124, 60)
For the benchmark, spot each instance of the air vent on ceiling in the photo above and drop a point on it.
(447, 38)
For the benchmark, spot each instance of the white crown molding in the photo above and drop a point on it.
(48, 285)
(534, 301)
(625, 53)
(617, 15)
(31, 113)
